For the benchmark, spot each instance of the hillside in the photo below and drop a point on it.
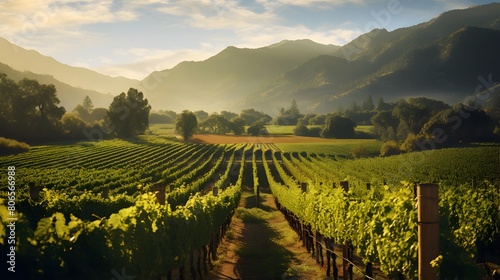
(32, 61)
(221, 81)
(440, 59)
(68, 95)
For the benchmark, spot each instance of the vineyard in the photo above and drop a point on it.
(156, 207)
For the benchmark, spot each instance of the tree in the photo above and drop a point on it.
(318, 120)
(301, 130)
(293, 110)
(129, 113)
(354, 106)
(201, 115)
(73, 125)
(228, 115)
(87, 104)
(251, 116)
(44, 100)
(385, 125)
(256, 129)
(30, 110)
(381, 105)
(368, 104)
(186, 124)
(290, 116)
(413, 115)
(459, 124)
(237, 125)
(338, 127)
(216, 124)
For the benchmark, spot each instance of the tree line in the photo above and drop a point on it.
(31, 112)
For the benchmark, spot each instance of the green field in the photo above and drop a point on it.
(288, 129)
(98, 197)
(340, 147)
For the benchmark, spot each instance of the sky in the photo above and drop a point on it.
(135, 38)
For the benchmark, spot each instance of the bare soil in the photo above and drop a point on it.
(253, 250)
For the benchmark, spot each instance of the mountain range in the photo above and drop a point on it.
(445, 58)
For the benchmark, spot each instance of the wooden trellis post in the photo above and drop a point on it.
(160, 193)
(35, 192)
(428, 230)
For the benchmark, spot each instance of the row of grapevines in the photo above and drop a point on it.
(146, 238)
(381, 223)
(254, 171)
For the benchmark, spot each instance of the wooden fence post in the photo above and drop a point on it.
(345, 186)
(160, 193)
(105, 192)
(428, 230)
(347, 254)
(303, 187)
(35, 192)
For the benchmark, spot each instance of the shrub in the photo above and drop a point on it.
(360, 152)
(390, 148)
(301, 130)
(11, 146)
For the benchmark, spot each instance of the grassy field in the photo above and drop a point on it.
(169, 129)
(343, 147)
(284, 139)
(288, 129)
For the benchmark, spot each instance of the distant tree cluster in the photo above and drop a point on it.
(327, 126)
(289, 116)
(222, 123)
(162, 116)
(421, 124)
(31, 112)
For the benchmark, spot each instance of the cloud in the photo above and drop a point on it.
(310, 3)
(453, 4)
(28, 18)
(222, 14)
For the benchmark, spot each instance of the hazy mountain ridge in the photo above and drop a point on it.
(68, 95)
(29, 60)
(222, 80)
(438, 59)
(441, 59)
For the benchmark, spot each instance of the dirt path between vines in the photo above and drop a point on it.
(260, 245)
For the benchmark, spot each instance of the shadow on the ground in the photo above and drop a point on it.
(261, 257)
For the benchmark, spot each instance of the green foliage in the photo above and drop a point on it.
(289, 116)
(11, 146)
(60, 236)
(237, 125)
(30, 110)
(186, 124)
(216, 123)
(390, 148)
(338, 127)
(301, 130)
(256, 129)
(251, 116)
(146, 237)
(87, 104)
(129, 114)
(382, 223)
(360, 152)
